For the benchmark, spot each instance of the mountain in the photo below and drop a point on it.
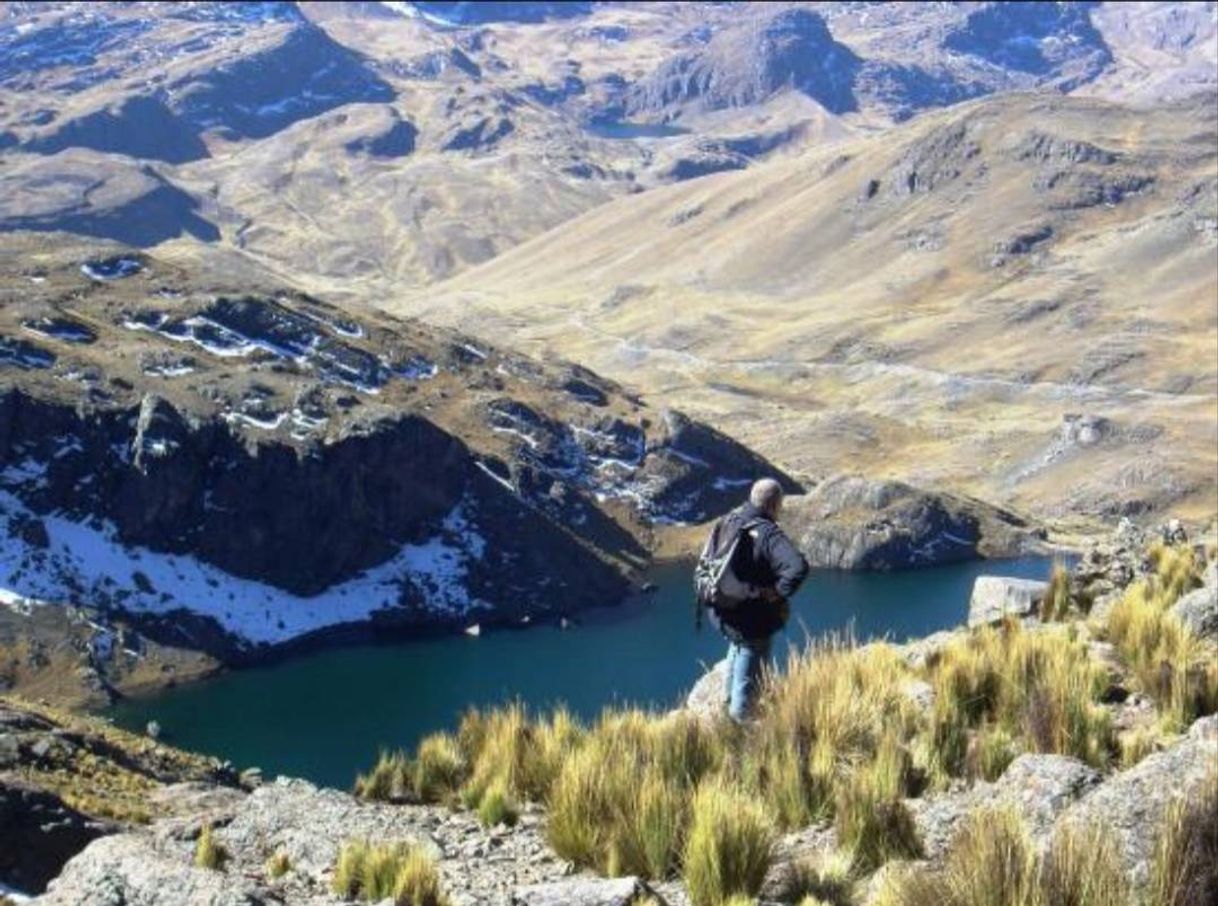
(229, 465)
(966, 247)
(366, 148)
(1013, 297)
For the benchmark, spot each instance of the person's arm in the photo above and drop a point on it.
(788, 563)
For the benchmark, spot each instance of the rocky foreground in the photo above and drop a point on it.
(108, 818)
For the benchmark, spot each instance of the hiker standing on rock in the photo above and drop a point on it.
(748, 571)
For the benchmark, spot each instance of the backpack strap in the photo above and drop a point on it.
(708, 550)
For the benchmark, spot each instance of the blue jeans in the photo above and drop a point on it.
(745, 661)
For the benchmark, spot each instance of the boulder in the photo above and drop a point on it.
(309, 826)
(132, 868)
(924, 652)
(1204, 729)
(997, 597)
(850, 522)
(1198, 610)
(581, 892)
(1132, 804)
(708, 697)
(1039, 787)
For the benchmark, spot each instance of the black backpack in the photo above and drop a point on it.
(716, 584)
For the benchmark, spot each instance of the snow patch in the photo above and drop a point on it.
(111, 268)
(87, 562)
(499, 479)
(12, 892)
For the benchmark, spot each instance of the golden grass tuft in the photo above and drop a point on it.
(1139, 742)
(827, 878)
(872, 822)
(389, 780)
(1185, 867)
(620, 802)
(992, 862)
(1172, 665)
(438, 769)
(278, 865)
(1056, 604)
(497, 806)
(1082, 867)
(209, 852)
(400, 872)
(730, 842)
(1042, 690)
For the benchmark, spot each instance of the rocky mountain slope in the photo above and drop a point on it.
(282, 839)
(233, 465)
(67, 780)
(899, 206)
(470, 128)
(1013, 298)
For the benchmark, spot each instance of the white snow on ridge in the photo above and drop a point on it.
(14, 894)
(85, 562)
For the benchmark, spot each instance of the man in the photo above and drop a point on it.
(766, 560)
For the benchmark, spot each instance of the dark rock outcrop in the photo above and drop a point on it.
(745, 65)
(396, 141)
(367, 474)
(1043, 39)
(52, 767)
(39, 833)
(139, 126)
(849, 522)
(175, 483)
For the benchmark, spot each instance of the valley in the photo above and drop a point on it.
(370, 373)
(807, 224)
(847, 305)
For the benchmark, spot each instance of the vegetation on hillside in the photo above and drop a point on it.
(209, 852)
(101, 770)
(844, 735)
(992, 862)
(400, 872)
(1169, 663)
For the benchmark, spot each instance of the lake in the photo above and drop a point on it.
(324, 715)
(620, 129)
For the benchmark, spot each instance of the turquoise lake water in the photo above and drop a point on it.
(324, 715)
(626, 130)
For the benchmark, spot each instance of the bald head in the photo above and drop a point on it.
(766, 495)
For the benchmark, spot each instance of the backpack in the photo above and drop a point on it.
(716, 584)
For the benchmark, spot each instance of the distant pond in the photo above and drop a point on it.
(324, 715)
(620, 129)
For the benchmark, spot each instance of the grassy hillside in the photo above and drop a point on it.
(847, 736)
(931, 303)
